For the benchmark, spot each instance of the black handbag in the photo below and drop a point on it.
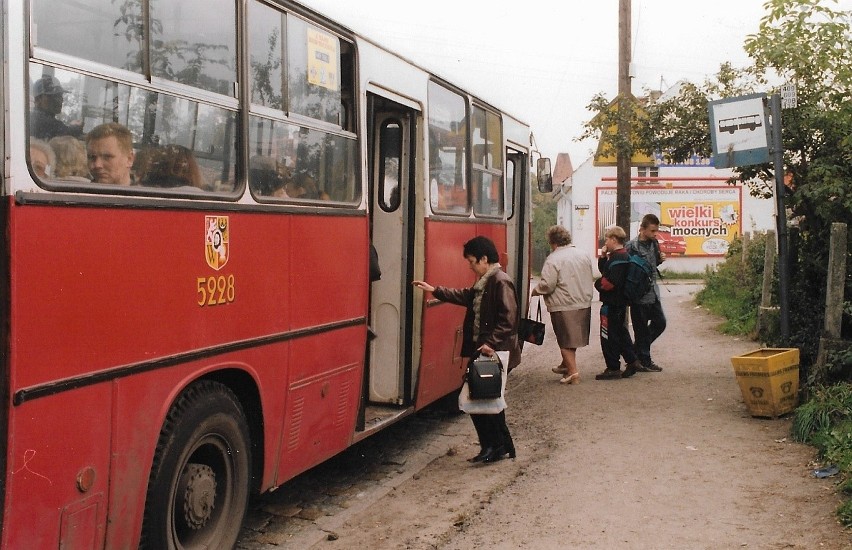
(532, 331)
(485, 378)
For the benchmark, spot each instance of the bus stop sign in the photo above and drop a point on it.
(739, 131)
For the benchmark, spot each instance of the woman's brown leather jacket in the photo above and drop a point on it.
(498, 318)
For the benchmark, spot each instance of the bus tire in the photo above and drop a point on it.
(199, 483)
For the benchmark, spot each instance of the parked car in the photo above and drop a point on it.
(670, 245)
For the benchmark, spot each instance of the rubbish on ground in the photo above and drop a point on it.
(828, 471)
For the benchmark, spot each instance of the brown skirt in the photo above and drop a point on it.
(572, 327)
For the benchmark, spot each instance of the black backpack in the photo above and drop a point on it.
(639, 279)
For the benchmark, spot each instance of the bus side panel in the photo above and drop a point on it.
(329, 270)
(115, 287)
(100, 289)
(53, 443)
(323, 394)
(329, 282)
(441, 367)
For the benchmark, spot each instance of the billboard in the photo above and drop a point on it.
(694, 221)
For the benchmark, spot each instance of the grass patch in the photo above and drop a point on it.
(825, 422)
(680, 275)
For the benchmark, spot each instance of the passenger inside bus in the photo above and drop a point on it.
(70, 159)
(265, 178)
(171, 165)
(296, 188)
(311, 189)
(47, 102)
(109, 149)
(41, 158)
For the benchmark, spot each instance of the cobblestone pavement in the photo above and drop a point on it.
(306, 509)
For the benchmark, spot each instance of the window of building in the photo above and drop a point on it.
(647, 172)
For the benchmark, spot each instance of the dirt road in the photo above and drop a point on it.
(661, 460)
(658, 461)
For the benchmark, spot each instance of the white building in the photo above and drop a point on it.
(700, 213)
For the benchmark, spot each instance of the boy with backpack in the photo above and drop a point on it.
(647, 315)
(614, 264)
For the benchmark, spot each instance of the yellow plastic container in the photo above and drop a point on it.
(769, 380)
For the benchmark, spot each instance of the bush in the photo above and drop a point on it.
(733, 288)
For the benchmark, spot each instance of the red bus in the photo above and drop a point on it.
(197, 333)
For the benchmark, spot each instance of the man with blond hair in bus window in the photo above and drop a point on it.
(109, 149)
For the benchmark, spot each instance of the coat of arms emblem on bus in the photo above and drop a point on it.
(216, 241)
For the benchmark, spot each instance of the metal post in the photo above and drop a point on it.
(781, 219)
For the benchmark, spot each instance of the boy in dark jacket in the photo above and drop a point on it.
(615, 338)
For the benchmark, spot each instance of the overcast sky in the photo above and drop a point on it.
(544, 61)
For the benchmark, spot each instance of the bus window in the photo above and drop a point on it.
(194, 42)
(297, 163)
(313, 72)
(447, 150)
(265, 55)
(390, 164)
(319, 79)
(190, 41)
(511, 171)
(103, 31)
(199, 137)
(487, 140)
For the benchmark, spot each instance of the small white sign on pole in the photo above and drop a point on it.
(788, 96)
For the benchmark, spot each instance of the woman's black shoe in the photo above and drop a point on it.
(511, 452)
(482, 454)
(494, 455)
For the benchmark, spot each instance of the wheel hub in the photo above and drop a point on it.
(199, 494)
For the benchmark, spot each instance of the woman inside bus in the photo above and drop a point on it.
(490, 327)
(71, 162)
(171, 165)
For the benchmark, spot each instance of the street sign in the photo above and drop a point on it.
(788, 96)
(739, 131)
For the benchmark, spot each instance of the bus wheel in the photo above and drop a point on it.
(199, 484)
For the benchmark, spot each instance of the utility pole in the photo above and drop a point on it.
(781, 219)
(623, 152)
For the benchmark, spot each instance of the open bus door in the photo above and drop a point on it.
(518, 224)
(389, 377)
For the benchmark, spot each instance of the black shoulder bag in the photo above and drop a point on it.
(532, 331)
(485, 377)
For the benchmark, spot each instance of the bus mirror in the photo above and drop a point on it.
(544, 176)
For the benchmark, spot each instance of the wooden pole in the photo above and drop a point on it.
(781, 220)
(623, 152)
(834, 290)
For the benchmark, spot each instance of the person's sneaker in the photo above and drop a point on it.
(650, 366)
(632, 368)
(609, 374)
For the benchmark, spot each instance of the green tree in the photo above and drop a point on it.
(805, 42)
(544, 215)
